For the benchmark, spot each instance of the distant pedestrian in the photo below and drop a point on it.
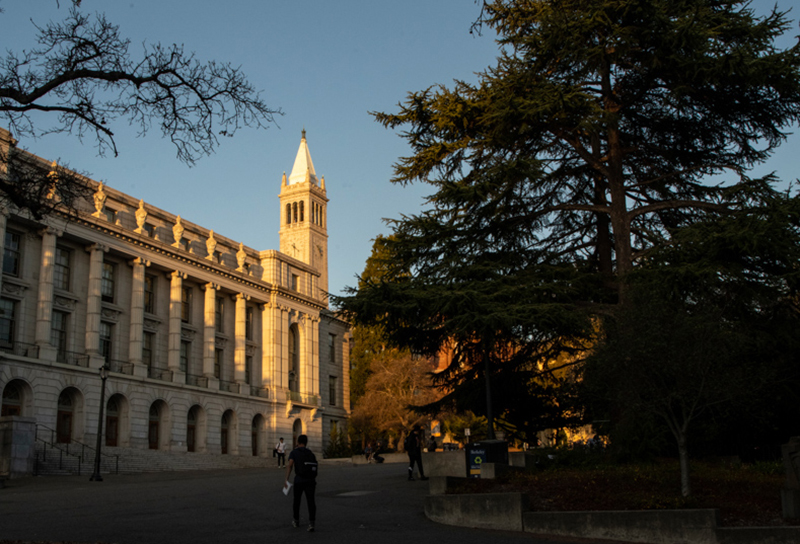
(304, 463)
(413, 446)
(432, 445)
(280, 449)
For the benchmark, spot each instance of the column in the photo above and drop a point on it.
(44, 303)
(209, 333)
(315, 363)
(267, 347)
(283, 321)
(345, 366)
(3, 222)
(306, 356)
(137, 316)
(174, 341)
(94, 305)
(240, 355)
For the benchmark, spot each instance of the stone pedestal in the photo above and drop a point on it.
(17, 446)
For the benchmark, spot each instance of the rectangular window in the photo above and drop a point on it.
(295, 282)
(148, 344)
(106, 336)
(218, 354)
(186, 348)
(248, 365)
(332, 347)
(11, 254)
(107, 286)
(219, 313)
(332, 382)
(150, 294)
(248, 325)
(61, 269)
(7, 322)
(150, 230)
(186, 304)
(58, 334)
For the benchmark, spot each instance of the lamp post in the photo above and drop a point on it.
(96, 475)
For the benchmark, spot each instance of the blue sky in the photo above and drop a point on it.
(325, 64)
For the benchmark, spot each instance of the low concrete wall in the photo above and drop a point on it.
(491, 471)
(17, 453)
(499, 511)
(439, 485)
(508, 511)
(387, 458)
(758, 535)
(445, 463)
(650, 526)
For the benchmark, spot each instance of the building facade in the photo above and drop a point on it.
(211, 346)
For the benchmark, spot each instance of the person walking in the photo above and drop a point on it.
(304, 463)
(280, 449)
(413, 447)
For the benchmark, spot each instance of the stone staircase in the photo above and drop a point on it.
(53, 461)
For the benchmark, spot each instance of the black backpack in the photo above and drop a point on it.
(306, 464)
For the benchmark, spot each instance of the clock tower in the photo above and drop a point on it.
(304, 217)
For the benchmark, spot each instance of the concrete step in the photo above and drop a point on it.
(134, 461)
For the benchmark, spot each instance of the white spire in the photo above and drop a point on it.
(303, 169)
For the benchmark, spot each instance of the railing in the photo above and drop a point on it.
(120, 367)
(262, 392)
(72, 358)
(22, 349)
(159, 374)
(199, 381)
(231, 387)
(302, 398)
(79, 450)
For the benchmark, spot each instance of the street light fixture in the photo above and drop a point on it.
(103, 376)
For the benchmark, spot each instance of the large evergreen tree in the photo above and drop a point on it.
(588, 146)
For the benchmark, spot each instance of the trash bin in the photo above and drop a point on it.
(485, 451)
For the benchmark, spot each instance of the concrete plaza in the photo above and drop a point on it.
(366, 503)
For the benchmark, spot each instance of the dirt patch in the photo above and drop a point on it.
(746, 495)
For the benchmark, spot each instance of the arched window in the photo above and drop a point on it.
(302, 210)
(112, 421)
(297, 430)
(12, 399)
(294, 212)
(294, 359)
(225, 430)
(255, 429)
(153, 427)
(196, 429)
(64, 418)
(288, 214)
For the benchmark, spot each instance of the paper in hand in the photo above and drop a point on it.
(286, 487)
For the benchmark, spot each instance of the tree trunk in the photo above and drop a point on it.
(489, 415)
(683, 456)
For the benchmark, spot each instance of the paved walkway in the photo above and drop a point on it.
(356, 504)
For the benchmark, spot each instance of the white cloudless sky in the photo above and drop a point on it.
(326, 64)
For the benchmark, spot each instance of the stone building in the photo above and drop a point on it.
(212, 346)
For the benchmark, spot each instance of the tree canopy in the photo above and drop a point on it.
(82, 79)
(606, 128)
